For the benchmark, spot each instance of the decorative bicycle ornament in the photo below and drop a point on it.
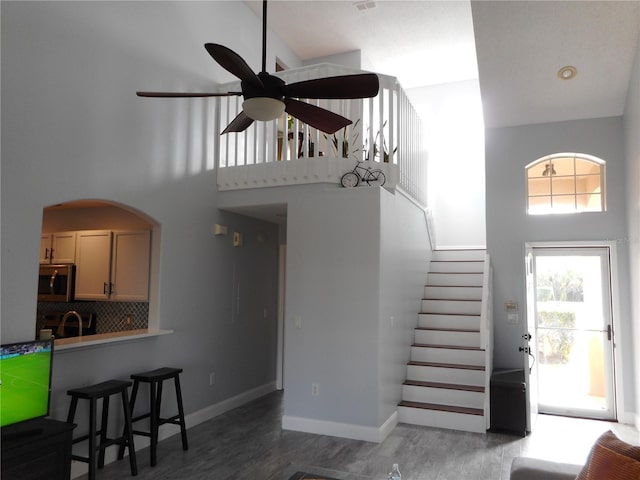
(374, 177)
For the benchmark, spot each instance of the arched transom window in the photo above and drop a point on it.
(565, 183)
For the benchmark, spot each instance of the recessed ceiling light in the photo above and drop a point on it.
(567, 73)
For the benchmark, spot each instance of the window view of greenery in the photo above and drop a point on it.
(555, 326)
(565, 183)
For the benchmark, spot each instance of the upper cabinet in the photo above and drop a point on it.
(130, 262)
(58, 247)
(113, 265)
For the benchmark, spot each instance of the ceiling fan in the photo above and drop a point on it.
(266, 96)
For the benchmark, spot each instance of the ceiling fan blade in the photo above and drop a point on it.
(185, 94)
(238, 124)
(363, 85)
(233, 63)
(316, 117)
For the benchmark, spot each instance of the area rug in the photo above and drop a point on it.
(309, 476)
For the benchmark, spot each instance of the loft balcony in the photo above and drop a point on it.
(386, 133)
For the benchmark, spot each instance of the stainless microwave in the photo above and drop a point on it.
(56, 283)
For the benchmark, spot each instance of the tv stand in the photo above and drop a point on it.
(37, 449)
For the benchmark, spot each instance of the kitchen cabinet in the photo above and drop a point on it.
(130, 266)
(113, 265)
(58, 247)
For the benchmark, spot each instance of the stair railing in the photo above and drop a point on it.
(486, 332)
(386, 130)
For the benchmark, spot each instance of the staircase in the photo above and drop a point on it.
(448, 374)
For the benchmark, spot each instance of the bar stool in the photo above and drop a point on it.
(93, 393)
(155, 378)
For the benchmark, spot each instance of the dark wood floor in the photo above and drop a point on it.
(249, 443)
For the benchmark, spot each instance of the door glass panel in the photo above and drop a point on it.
(575, 358)
(572, 368)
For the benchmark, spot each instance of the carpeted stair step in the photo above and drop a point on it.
(452, 292)
(464, 337)
(447, 386)
(467, 396)
(424, 352)
(439, 372)
(454, 279)
(456, 307)
(447, 320)
(442, 408)
(464, 266)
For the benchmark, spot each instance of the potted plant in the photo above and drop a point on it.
(340, 144)
(386, 157)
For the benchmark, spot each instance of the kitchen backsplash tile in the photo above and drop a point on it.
(110, 316)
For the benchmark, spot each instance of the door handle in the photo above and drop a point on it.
(609, 332)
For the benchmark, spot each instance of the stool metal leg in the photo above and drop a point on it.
(129, 435)
(183, 427)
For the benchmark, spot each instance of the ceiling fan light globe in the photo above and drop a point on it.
(263, 108)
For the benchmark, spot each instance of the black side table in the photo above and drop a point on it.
(38, 449)
(508, 401)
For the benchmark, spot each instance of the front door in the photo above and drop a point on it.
(573, 331)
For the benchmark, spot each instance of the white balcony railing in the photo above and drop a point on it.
(386, 131)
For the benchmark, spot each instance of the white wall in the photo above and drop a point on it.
(73, 128)
(508, 151)
(632, 143)
(452, 116)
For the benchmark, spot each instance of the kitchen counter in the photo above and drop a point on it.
(74, 343)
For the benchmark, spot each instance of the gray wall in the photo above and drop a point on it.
(72, 128)
(632, 142)
(508, 151)
(356, 265)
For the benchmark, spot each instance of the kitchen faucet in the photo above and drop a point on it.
(64, 320)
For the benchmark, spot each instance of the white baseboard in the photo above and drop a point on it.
(80, 468)
(342, 430)
(213, 411)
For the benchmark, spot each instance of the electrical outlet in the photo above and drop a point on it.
(298, 321)
(212, 379)
(315, 389)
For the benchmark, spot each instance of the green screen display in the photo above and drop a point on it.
(25, 377)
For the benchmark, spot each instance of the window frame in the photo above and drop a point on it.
(575, 192)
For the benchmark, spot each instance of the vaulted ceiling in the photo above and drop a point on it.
(515, 48)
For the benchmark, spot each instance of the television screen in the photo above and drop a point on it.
(25, 380)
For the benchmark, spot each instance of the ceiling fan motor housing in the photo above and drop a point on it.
(272, 87)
